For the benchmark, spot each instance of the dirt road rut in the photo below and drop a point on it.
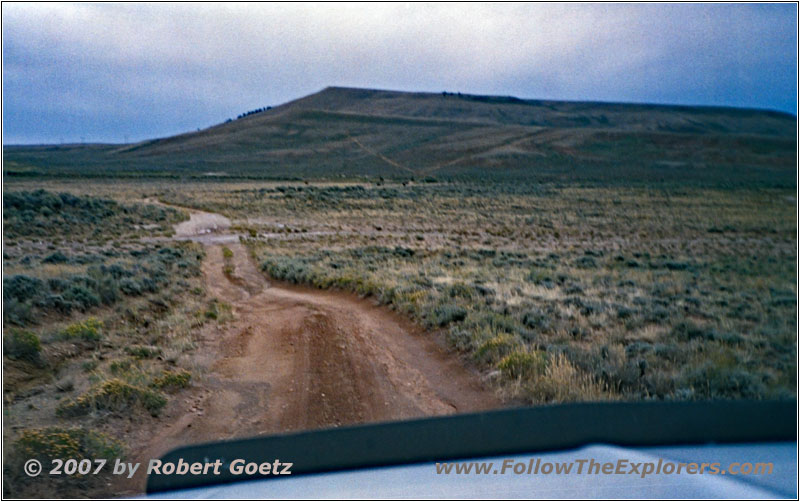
(296, 358)
(299, 358)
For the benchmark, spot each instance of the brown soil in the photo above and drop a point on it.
(298, 358)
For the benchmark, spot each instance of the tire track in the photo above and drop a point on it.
(298, 358)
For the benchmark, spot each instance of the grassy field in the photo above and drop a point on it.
(560, 293)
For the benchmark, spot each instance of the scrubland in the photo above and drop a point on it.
(560, 293)
(97, 326)
(554, 293)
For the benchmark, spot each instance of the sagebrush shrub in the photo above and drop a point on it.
(89, 330)
(113, 395)
(22, 344)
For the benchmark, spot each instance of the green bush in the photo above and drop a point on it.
(447, 313)
(57, 442)
(460, 290)
(17, 312)
(108, 290)
(88, 330)
(130, 287)
(57, 303)
(496, 348)
(22, 344)
(714, 381)
(173, 380)
(120, 366)
(82, 297)
(293, 270)
(113, 395)
(536, 319)
(21, 287)
(56, 257)
(521, 364)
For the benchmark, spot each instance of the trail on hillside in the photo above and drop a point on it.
(296, 358)
(381, 156)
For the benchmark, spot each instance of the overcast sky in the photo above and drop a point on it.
(117, 72)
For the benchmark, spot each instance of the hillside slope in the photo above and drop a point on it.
(358, 132)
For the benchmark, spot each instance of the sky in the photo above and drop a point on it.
(128, 72)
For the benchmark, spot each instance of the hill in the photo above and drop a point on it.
(344, 132)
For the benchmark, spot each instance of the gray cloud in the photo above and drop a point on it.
(109, 71)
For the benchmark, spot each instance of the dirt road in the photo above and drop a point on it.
(297, 358)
